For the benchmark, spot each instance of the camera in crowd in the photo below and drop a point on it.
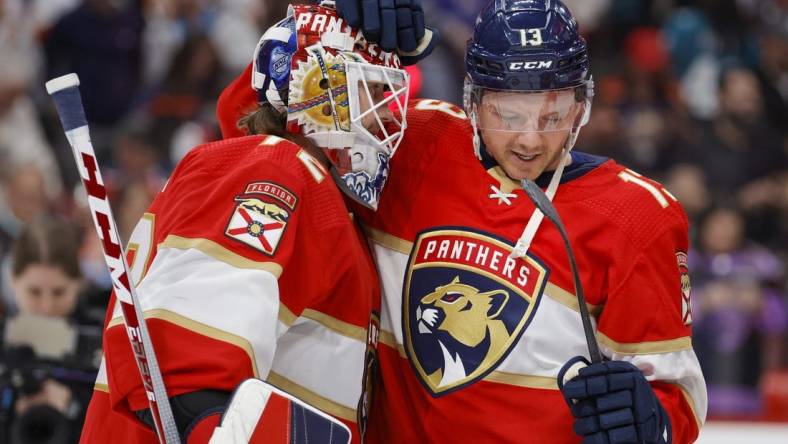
(47, 370)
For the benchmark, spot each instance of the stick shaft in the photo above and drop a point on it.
(65, 93)
(544, 205)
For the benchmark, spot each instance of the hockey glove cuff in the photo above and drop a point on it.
(613, 403)
(392, 24)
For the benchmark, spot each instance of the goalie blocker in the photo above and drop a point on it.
(257, 413)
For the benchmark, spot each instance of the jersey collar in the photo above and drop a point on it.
(582, 164)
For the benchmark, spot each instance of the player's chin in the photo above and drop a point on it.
(519, 170)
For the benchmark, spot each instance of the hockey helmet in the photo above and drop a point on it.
(345, 94)
(528, 71)
(528, 53)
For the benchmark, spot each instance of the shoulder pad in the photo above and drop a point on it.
(640, 207)
(435, 118)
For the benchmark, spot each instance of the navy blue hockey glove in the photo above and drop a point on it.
(393, 25)
(613, 403)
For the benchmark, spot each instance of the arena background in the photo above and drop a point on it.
(692, 93)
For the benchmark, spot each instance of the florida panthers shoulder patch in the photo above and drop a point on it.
(686, 288)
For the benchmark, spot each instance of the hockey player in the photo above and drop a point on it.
(248, 264)
(480, 333)
(480, 330)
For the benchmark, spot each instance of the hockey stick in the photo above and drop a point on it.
(544, 205)
(65, 93)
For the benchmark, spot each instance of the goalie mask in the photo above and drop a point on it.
(346, 95)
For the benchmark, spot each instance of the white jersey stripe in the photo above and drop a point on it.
(535, 354)
(215, 298)
(102, 384)
(680, 368)
(311, 398)
(224, 302)
(303, 353)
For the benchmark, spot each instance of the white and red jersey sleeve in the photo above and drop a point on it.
(646, 317)
(221, 234)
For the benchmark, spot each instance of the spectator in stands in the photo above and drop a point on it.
(46, 277)
(739, 146)
(187, 95)
(739, 312)
(688, 183)
(22, 139)
(100, 41)
(22, 199)
(47, 282)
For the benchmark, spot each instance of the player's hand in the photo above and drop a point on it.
(612, 403)
(393, 25)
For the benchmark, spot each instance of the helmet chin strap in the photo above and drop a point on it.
(477, 140)
(524, 243)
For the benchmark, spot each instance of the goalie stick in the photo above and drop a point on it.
(544, 205)
(65, 93)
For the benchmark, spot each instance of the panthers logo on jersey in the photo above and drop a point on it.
(466, 303)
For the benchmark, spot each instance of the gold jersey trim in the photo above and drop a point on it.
(645, 348)
(200, 328)
(286, 316)
(388, 241)
(506, 183)
(341, 327)
(114, 322)
(220, 253)
(101, 387)
(691, 403)
(568, 299)
(134, 246)
(312, 398)
(528, 381)
(387, 338)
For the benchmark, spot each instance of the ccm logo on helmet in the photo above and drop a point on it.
(526, 66)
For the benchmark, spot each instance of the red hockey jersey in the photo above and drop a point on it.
(472, 341)
(247, 264)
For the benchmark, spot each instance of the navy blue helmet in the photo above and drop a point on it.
(528, 75)
(527, 45)
(527, 56)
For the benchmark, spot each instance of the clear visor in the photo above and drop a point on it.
(527, 111)
(378, 99)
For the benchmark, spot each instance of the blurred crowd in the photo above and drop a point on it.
(693, 93)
